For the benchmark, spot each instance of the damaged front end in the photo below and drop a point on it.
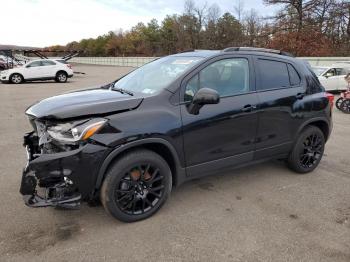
(63, 162)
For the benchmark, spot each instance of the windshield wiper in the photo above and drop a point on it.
(122, 91)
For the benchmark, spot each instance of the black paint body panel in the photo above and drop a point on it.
(221, 136)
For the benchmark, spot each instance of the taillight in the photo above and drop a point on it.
(330, 99)
(69, 66)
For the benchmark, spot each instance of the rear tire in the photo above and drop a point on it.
(307, 151)
(136, 186)
(16, 78)
(61, 77)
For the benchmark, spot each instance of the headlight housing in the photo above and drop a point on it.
(72, 132)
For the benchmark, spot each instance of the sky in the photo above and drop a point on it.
(41, 23)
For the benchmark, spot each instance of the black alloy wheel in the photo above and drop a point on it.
(307, 151)
(140, 189)
(136, 185)
(312, 150)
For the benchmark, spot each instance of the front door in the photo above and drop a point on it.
(32, 70)
(223, 134)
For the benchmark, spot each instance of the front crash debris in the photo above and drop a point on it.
(58, 190)
(58, 179)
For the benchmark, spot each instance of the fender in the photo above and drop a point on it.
(316, 119)
(180, 174)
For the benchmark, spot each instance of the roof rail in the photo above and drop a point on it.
(257, 49)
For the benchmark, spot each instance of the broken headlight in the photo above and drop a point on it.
(72, 132)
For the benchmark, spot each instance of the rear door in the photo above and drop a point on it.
(48, 68)
(223, 134)
(281, 94)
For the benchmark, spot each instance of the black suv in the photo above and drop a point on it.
(179, 117)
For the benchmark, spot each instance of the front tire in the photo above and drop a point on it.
(61, 77)
(136, 186)
(16, 79)
(307, 151)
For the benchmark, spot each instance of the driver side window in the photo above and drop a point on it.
(228, 77)
(331, 72)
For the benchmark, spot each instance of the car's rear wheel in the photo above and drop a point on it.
(16, 78)
(136, 186)
(307, 151)
(61, 77)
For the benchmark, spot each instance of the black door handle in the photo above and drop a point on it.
(300, 95)
(248, 108)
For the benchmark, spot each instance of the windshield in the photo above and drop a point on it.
(156, 75)
(319, 70)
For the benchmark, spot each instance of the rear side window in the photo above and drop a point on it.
(48, 63)
(273, 74)
(34, 64)
(294, 77)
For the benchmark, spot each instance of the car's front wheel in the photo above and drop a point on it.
(136, 186)
(307, 151)
(16, 79)
(61, 77)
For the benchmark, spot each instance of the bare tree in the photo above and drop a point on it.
(239, 9)
(213, 13)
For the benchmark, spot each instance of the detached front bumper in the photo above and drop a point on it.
(65, 178)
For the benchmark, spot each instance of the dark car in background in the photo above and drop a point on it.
(178, 118)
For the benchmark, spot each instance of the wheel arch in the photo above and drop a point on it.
(16, 73)
(61, 70)
(157, 145)
(322, 123)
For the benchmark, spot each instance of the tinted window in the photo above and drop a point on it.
(294, 77)
(34, 64)
(48, 63)
(273, 74)
(330, 72)
(227, 77)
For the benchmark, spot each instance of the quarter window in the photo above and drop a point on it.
(273, 74)
(294, 77)
(34, 64)
(228, 77)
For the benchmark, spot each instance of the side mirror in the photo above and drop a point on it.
(204, 96)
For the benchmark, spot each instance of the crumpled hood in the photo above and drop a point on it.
(83, 103)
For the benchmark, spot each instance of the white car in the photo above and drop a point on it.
(332, 77)
(43, 69)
